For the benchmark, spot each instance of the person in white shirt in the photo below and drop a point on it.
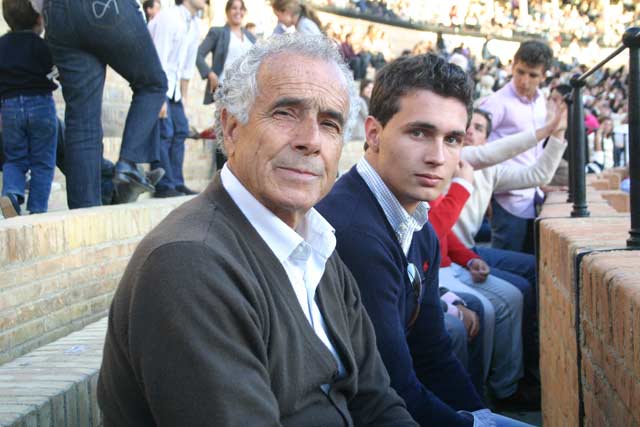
(175, 32)
(517, 268)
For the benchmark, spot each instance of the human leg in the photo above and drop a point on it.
(15, 150)
(507, 231)
(448, 279)
(475, 350)
(165, 137)
(458, 334)
(43, 133)
(120, 26)
(180, 133)
(507, 365)
(514, 262)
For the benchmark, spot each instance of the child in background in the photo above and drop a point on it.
(28, 110)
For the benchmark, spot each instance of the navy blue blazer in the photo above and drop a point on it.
(420, 361)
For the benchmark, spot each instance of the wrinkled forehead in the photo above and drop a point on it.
(295, 75)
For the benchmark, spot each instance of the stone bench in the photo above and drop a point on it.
(55, 385)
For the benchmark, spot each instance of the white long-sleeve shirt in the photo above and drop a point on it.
(176, 33)
(505, 177)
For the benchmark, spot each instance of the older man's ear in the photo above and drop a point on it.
(229, 130)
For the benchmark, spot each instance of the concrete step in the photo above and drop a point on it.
(55, 385)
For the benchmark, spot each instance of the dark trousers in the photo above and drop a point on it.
(509, 231)
(29, 144)
(174, 129)
(85, 37)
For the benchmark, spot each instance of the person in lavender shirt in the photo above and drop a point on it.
(517, 107)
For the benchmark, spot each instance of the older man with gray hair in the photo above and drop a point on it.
(236, 309)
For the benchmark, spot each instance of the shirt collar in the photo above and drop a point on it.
(283, 240)
(402, 223)
(524, 99)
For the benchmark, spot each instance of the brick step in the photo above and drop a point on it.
(59, 269)
(55, 385)
(117, 98)
(198, 169)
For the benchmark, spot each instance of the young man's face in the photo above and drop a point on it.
(418, 150)
(527, 78)
(477, 130)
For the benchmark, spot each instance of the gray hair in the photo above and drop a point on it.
(240, 87)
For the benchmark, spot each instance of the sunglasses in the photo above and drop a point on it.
(418, 290)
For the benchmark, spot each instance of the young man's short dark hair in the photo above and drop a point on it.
(534, 53)
(19, 14)
(487, 116)
(405, 74)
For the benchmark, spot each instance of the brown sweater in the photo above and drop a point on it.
(206, 330)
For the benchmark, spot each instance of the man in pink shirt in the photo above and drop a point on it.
(517, 107)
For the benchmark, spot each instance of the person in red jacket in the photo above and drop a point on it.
(462, 270)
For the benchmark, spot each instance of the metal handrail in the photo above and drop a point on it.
(577, 136)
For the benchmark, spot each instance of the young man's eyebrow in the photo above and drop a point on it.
(431, 127)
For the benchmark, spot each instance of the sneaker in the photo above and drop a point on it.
(186, 190)
(9, 206)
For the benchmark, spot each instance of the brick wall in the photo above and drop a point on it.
(59, 270)
(605, 296)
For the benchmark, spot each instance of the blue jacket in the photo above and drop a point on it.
(420, 361)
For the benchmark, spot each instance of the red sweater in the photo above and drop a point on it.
(443, 215)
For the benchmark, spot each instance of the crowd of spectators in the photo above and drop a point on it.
(575, 22)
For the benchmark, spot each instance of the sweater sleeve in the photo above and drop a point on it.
(376, 403)
(207, 46)
(486, 155)
(458, 252)
(445, 211)
(380, 278)
(200, 337)
(509, 178)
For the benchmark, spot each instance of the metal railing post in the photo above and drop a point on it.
(578, 137)
(572, 161)
(631, 39)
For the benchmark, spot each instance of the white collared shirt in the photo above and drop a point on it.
(175, 33)
(402, 223)
(303, 253)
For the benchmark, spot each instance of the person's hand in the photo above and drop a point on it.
(479, 270)
(163, 111)
(213, 81)
(464, 171)
(470, 320)
(556, 120)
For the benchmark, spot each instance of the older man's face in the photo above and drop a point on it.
(287, 154)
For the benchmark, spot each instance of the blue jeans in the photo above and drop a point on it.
(470, 353)
(519, 269)
(30, 132)
(85, 37)
(174, 129)
(509, 231)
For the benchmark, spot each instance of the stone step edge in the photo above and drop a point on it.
(55, 385)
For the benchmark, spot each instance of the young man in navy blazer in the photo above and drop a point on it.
(419, 110)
